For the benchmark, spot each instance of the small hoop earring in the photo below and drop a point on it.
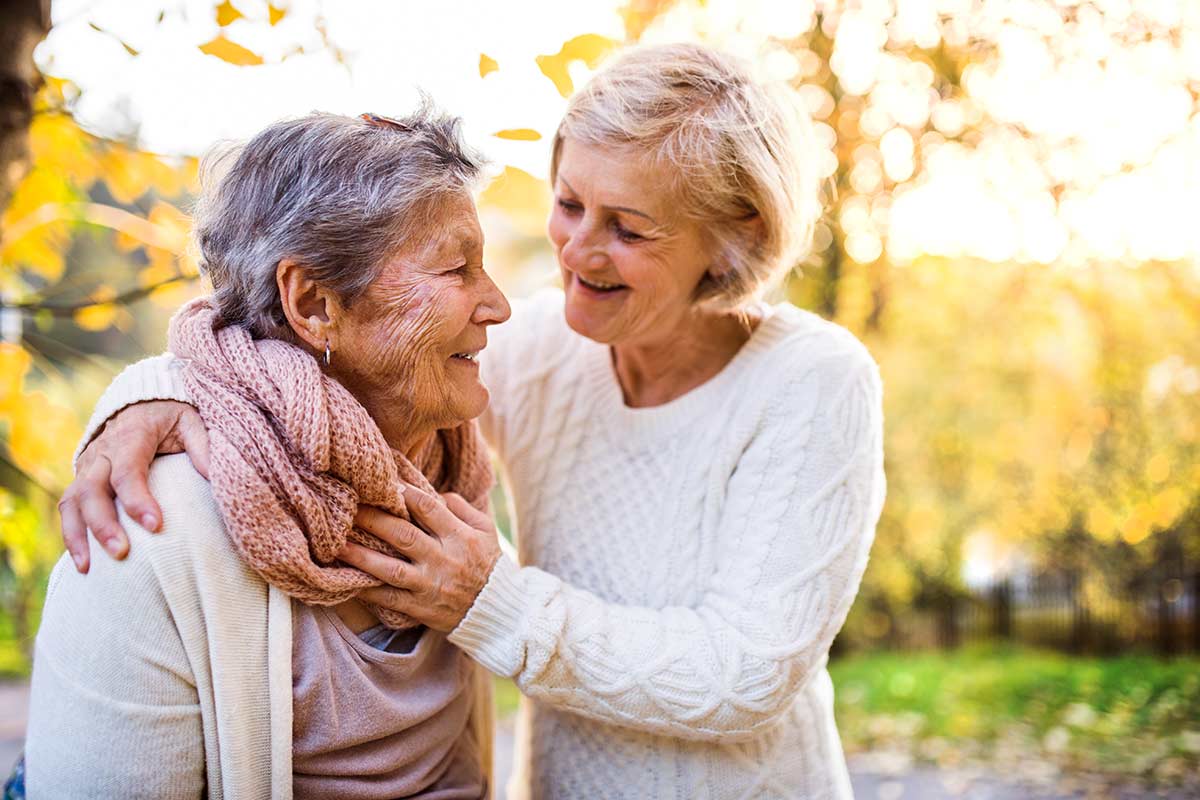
(327, 352)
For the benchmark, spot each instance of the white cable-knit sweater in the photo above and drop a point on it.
(686, 566)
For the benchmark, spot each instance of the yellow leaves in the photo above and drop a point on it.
(275, 14)
(1158, 468)
(227, 14)
(522, 198)
(231, 52)
(487, 65)
(40, 430)
(100, 314)
(14, 363)
(129, 174)
(518, 134)
(590, 48)
(41, 433)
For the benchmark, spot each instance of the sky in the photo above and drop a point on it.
(1096, 155)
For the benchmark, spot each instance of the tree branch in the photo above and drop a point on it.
(68, 309)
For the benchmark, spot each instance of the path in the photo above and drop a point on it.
(875, 777)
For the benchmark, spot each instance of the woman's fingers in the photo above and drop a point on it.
(195, 438)
(428, 511)
(390, 597)
(97, 508)
(130, 477)
(392, 571)
(467, 512)
(74, 532)
(400, 534)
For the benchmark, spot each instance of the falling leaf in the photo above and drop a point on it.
(589, 48)
(518, 134)
(233, 53)
(96, 317)
(487, 65)
(227, 14)
(123, 43)
(275, 14)
(523, 199)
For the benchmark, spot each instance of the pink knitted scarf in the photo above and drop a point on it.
(292, 454)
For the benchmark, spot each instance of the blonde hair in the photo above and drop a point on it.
(738, 148)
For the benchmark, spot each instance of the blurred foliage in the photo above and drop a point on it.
(1042, 386)
(1028, 712)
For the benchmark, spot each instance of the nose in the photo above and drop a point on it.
(492, 307)
(580, 252)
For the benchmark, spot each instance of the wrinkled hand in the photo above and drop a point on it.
(451, 553)
(117, 463)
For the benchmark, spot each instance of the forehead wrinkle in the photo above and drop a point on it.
(625, 209)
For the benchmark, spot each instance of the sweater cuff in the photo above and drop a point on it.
(492, 632)
(157, 378)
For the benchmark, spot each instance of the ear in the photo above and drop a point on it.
(312, 311)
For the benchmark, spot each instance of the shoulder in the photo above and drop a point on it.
(810, 376)
(805, 339)
(191, 522)
(802, 350)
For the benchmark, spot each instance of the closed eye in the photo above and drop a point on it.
(569, 206)
(626, 235)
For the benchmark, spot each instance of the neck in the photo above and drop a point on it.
(401, 427)
(657, 370)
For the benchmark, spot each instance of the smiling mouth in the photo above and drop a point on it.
(600, 286)
(467, 355)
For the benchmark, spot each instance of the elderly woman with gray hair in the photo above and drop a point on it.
(333, 365)
(696, 474)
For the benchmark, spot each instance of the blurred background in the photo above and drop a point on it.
(1012, 226)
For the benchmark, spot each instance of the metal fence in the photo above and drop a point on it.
(1062, 611)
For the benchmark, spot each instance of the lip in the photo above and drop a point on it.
(474, 351)
(596, 294)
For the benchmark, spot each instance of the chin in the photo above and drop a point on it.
(470, 403)
(587, 324)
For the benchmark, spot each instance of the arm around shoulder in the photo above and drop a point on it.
(155, 378)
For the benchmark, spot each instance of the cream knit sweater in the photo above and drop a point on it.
(686, 566)
(169, 675)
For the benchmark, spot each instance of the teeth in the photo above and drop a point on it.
(600, 284)
(467, 356)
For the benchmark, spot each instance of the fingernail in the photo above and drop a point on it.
(78, 562)
(149, 522)
(114, 548)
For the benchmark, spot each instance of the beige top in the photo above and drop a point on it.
(169, 675)
(391, 725)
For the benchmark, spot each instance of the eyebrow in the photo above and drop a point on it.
(626, 209)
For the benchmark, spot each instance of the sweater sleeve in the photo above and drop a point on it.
(114, 710)
(154, 378)
(798, 521)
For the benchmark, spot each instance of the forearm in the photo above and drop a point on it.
(154, 378)
(700, 673)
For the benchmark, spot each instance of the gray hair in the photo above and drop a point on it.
(339, 195)
(737, 147)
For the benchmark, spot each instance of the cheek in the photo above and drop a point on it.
(558, 228)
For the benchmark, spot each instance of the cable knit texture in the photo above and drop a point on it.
(686, 567)
(293, 454)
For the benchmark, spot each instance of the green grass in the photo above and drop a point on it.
(1133, 715)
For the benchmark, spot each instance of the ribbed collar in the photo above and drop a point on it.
(632, 424)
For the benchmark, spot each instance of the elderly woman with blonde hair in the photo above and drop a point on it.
(696, 474)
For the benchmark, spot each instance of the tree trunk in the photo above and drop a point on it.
(23, 23)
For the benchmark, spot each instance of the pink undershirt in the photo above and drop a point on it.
(376, 725)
